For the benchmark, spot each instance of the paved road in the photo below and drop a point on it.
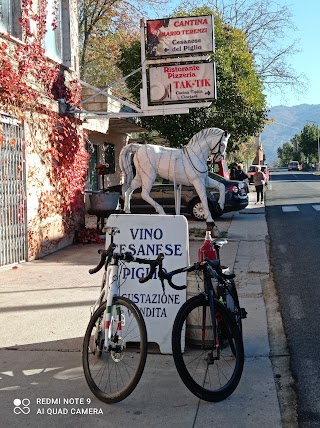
(293, 218)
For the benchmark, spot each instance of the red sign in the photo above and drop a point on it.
(180, 36)
(182, 83)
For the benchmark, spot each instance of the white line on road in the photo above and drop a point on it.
(294, 208)
(290, 208)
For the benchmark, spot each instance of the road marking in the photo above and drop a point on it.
(32, 372)
(290, 208)
(296, 307)
(10, 388)
(10, 373)
(294, 208)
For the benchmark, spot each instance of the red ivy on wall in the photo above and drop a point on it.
(29, 84)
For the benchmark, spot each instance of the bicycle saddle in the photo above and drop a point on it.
(219, 242)
(111, 230)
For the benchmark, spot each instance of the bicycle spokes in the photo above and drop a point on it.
(210, 364)
(114, 366)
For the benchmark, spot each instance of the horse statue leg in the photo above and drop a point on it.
(201, 190)
(202, 193)
(145, 194)
(135, 184)
(222, 190)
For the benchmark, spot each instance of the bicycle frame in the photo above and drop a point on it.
(111, 289)
(210, 292)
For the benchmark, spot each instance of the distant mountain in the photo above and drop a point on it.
(287, 122)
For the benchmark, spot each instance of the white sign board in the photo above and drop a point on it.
(187, 82)
(146, 236)
(180, 36)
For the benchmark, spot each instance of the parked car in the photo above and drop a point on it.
(220, 168)
(294, 166)
(252, 170)
(163, 192)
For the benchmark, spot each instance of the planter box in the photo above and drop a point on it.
(104, 201)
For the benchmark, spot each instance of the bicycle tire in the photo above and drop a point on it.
(234, 306)
(114, 373)
(207, 379)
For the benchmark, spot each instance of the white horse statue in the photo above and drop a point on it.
(186, 166)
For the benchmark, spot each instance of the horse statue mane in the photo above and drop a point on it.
(204, 134)
(186, 166)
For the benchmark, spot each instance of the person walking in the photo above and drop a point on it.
(242, 176)
(234, 171)
(259, 181)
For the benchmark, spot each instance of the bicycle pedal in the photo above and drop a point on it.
(243, 313)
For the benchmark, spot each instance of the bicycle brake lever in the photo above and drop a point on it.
(163, 286)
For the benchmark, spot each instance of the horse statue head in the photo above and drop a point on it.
(216, 141)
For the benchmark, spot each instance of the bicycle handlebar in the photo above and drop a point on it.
(104, 254)
(163, 274)
(128, 257)
(153, 265)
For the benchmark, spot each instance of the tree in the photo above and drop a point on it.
(245, 150)
(302, 147)
(308, 142)
(240, 107)
(104, 26)
(266, 24)
(285, 153)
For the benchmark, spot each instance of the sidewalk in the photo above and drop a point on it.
(44, 310)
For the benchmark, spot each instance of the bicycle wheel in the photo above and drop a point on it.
(113, 373)
(210, 374)
(231, 299)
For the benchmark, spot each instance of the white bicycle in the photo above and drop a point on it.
(115, 343)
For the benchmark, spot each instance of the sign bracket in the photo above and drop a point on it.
(121, 109)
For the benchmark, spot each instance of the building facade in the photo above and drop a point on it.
(43, 160)
(105, 137)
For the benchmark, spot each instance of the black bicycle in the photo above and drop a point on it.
(207, 343)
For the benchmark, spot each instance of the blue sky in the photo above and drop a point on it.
(306, 17)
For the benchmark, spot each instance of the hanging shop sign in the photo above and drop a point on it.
(180, 36)
(182, 83)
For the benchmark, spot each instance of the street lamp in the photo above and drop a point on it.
(318, 143)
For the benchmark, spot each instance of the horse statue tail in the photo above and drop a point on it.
(125, 163)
